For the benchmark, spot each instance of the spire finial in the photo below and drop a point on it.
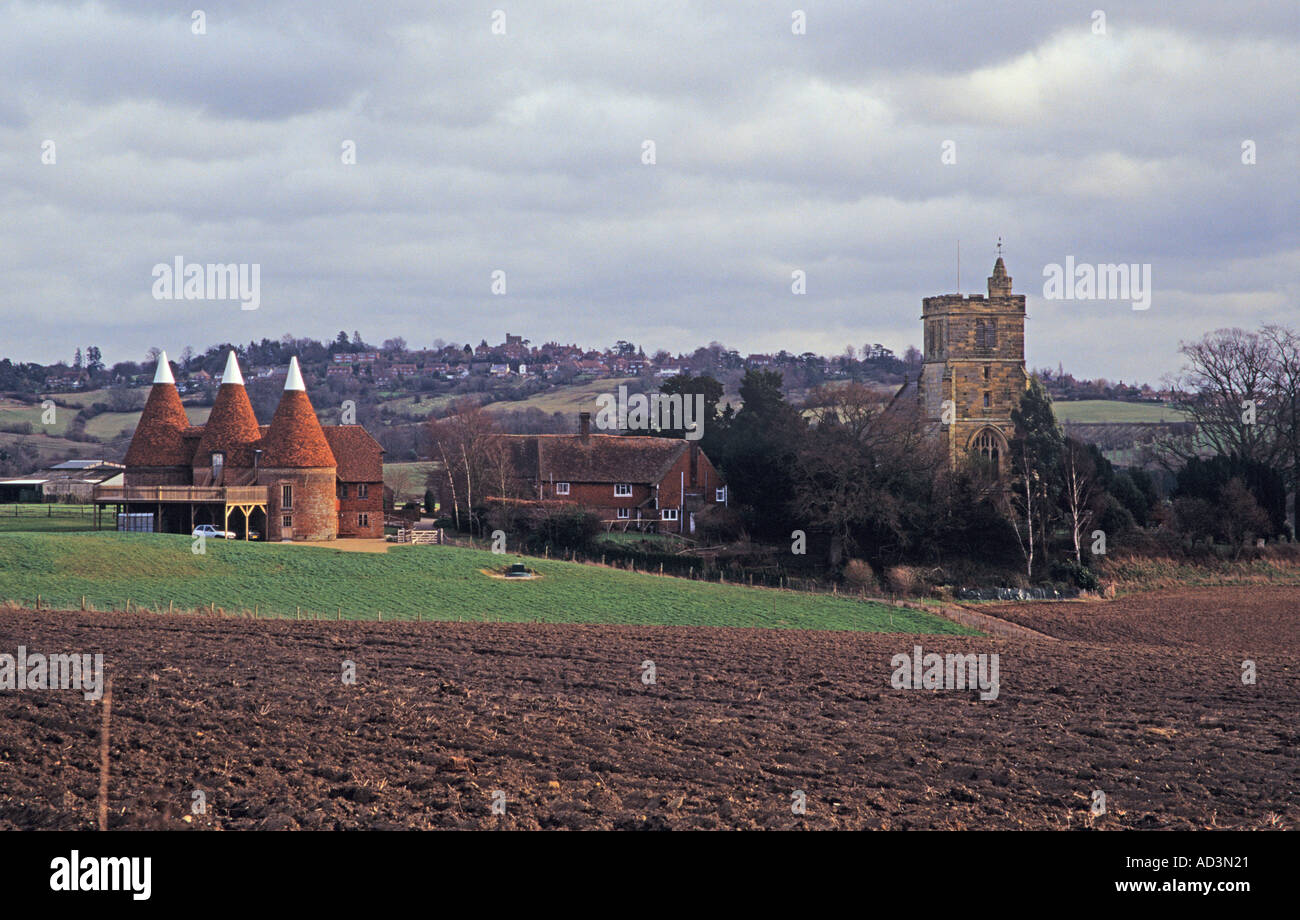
(293, 379)
(999, 247)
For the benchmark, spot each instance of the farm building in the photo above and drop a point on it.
(72, 480)
(293, 479)
(631, 482)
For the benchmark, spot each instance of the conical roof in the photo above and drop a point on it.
(295, 439)
(232, 425)
(158, 434)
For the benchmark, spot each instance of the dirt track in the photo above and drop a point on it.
(1150, 709)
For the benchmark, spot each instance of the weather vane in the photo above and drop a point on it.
(999, 247)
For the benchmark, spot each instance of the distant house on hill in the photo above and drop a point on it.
(639, 483)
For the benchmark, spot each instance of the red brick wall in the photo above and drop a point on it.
(599, 497)
(314, 512)
(351, 506)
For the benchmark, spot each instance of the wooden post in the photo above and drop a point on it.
(83, 602)
(339, 614)
(171, 606)
(381, 616)
(107, 702)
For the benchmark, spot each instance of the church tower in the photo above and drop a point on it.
(974, 370)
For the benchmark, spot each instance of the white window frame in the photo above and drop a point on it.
(363, 490)
(668, 514)
(720, 495)
(624, 514)
(623, 490)
(561, 488)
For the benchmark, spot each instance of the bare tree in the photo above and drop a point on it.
(1223, 388)
(1284, 406)
(1242, 391)
(467, 442)
(1079, 485)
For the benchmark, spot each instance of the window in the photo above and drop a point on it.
(623, 490)
(720, 494)
(986, 372)
(979, 333)
(287, 522)
(363, 490)
(624, 513)
(218, 461)
(286, 497)
(670, 514)
(363, 520)
(988, 400)
(561, 488)
(991, 334)
(343, 490)
(986, 446)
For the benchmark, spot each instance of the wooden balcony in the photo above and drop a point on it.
(229, 495)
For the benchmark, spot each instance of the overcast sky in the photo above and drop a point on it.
(523, 152)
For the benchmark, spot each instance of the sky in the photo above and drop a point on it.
(863, 150)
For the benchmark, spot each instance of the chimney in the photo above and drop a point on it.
(584, 425)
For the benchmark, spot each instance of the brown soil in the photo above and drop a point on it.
(1141, 699)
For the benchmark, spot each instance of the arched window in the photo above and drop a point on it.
(988, 446)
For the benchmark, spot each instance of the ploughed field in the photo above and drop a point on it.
(1141, 699)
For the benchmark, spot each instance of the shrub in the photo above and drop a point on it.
(1080, 576)
(902, 579)
(858, 575)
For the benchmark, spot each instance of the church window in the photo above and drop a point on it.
(986, 446)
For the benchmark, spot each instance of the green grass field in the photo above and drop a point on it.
(1111, 411)
(408, 480)
(46, 518)
(111, 425)
(440, 583)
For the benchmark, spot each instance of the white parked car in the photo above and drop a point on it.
(210, 532)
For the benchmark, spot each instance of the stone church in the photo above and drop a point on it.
(974, 368)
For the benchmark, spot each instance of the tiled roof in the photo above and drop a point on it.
(158, 439)
(295, 439)
(231, 427)
(597, 458)
(358, 455)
